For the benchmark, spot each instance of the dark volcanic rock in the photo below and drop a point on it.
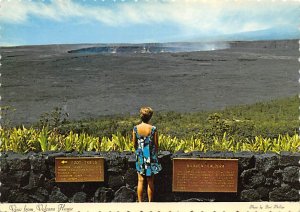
(289, 159)
(198, 200)
(250, 195)
(163, 182)
(72, 153)
(266, 163)
(37, 163)
(3, 165)
(57, 196)
(125, 194)
(35, 180)
(277, 182)
(264, 193)
(214, 154)
(269, 182)
(79, 197)
(164, 156)
(164, 153)
(198, 154)
(291, 174)
(115, 160)
(40, 195)
(17, 196)
(126, 153)
(49, 184)
(131, 161)
(4, 177)
(51, 172)
(89, 154)
(284, 194)
(252, 178)
(50, 159)
(131, 178)
(69, 189)
(90, 187)
(4, 191)
(115, 170)
(16, 179)
(246, 160)
(180, 154)
(278, 173)
(4, 154)
(165, 197)
(192, 200)
(115, 181)
(103, 195)
(257, 179)
(18, 162)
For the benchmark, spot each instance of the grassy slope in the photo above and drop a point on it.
(268, 119)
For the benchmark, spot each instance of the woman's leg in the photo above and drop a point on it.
(140, 187)
(150, 188)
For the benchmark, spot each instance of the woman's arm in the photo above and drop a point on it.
(156, 140)
(134, 139)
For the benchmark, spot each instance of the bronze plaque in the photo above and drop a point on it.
(79, 169)
(205, 175)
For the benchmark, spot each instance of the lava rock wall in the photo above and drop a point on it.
(30, 178)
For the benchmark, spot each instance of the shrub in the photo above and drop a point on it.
(24, 140)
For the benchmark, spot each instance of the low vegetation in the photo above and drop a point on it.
(24, 140)
(262, 127)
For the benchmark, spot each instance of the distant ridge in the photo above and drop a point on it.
(153, 48)
(197, 41)
(174, 47)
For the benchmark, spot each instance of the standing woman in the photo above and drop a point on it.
(145, 139)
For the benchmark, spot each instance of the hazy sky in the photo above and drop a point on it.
(134, 21)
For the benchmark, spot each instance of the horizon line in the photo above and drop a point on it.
(138, 43)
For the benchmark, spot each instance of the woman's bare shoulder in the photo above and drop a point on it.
(144, 128)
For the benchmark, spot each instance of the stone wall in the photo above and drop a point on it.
(31, 178)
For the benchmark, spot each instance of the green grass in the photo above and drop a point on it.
(267, 119)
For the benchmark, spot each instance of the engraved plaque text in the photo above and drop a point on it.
(205, 175)
(79, 169)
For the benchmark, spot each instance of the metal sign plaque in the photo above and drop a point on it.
(205, 175)
(79, 169)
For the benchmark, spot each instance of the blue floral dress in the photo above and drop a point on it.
(146, 156)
